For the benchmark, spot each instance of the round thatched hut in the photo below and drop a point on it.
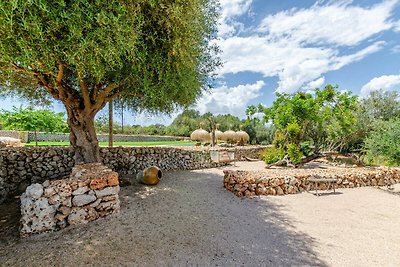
(219, 136)
(200, 135)
(230, 136)
(243, 136)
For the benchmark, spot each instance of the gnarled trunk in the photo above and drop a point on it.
(83, 135)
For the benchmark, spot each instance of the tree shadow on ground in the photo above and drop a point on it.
(187, 219)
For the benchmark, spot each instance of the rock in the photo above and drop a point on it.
(80, 191)
(49, 191)
(77, 217)
(108, 179)
(261, 191)
(92, 214)
(65, 210)
(81, 200)
(37, 215)
(67, 202)
(95, 204)
(54, 200)
(60, 216)
(279, 191)
(291, 189)
(34, 191)
(110, 198)
(62, 188)
(107, 191)
(109, 205)
(271, 191)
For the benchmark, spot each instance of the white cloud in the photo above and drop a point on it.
(336, 24)
(229, 100)
(294, 65)
(397, 26)
(300, 45)
(385, 82)
(230, 9)
(315, 84)
(395, 49)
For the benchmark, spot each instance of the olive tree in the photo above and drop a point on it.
(154, 54)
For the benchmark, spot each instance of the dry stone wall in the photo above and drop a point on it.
(90, 192)
(284, 181)
(20, 167)
(64, 137)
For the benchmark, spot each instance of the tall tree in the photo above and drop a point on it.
(153, 53)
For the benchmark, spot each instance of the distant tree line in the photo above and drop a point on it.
(188, 121)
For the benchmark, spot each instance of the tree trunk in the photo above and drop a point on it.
(110, 123)
(122, 117)
(36, 138)
(83, 136)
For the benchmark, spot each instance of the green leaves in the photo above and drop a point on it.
(382, 146)
(327, 118)
(156, 53)
(29, 119)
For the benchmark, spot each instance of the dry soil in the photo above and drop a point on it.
(189, 219)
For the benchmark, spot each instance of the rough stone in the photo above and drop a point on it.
(34, 191)
(77, 217)
(81, 200)
(80, 191)
(107, 191)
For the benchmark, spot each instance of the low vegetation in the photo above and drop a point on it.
(330, 120)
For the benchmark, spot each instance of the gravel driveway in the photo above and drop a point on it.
(189, 219)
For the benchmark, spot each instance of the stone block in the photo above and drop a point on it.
(81, 200)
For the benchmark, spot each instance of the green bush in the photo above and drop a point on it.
(306, 148)
(382, 146)
(272, 154)
(293, 132)
(294, 153)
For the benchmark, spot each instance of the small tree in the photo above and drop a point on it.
(326, 119)
(153, 54)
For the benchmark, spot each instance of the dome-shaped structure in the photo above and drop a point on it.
(243, 136)
(230, 136)
(218, 135)
(200, 135)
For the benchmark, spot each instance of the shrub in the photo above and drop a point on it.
(306, 148)
(294, 153)
(272, 154)
(382, 146)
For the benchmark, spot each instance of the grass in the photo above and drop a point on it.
(154, 143)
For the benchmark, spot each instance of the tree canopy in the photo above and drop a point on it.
(325, 120)
(29, 119)
(154, 54)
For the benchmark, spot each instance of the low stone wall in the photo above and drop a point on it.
(20, 167)
(90, 192)
(64, 137)
(284, 181)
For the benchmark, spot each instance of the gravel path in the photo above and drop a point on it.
(189, 219)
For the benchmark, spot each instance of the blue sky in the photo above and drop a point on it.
(285, 46)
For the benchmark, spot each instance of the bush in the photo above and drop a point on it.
(271, 155)
(306, 148)
(382, 146)
(294, 153)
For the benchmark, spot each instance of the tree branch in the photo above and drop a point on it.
(85, 93)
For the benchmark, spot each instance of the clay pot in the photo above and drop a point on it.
(149, 176)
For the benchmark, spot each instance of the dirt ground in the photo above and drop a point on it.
(189, 219)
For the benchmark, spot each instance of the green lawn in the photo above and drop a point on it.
(156, 143)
